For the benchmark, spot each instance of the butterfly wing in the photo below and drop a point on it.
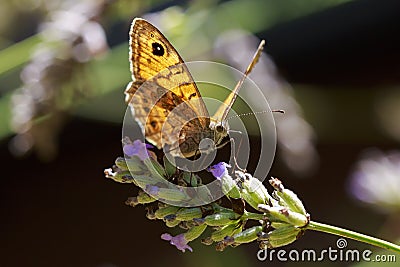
(222, 112)
(161, 83)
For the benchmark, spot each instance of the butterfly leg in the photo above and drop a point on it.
(236, 153)
(196, 154)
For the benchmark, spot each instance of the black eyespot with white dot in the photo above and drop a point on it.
(158, 49)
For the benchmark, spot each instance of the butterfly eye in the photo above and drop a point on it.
(219, 128)
(158, 49)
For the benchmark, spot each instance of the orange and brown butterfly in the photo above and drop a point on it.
(165, 99)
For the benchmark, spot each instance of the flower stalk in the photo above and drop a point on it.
(334, 230)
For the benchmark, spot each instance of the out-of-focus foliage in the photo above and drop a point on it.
(57, 77)
(375, 180)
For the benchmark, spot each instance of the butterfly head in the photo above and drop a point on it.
(220, 130)
(213, 139)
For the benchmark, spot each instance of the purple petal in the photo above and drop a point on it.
(137, 148)
(178, 241)
(152, 190)
(148, 146)
(218, 170)
(129, 150)
(166, 236)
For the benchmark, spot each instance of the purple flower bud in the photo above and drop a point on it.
(152, 190)
(218, 170)
(178, 241)
(137, 148)
(129, 150)
(148, 146)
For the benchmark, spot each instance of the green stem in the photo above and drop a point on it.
(316, 226)
(17, 54)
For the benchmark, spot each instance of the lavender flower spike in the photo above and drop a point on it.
(178, 241)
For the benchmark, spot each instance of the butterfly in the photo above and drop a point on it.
(165, 100)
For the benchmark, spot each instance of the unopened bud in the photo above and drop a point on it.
(144, 198)
(207, 241)
(187, 214)
(132, 201)
(195, 232)
(228, 230)
(172, 195)
(150, 213)
(172, 222)
(134, 165)
(283, 214)
(290, 199)
(283, 233)
(229, 187)
(254, 192)
(190, 178)
(282, 237)
(121, 163)
(156, 170)
(165, 211)
(120, 176)
(221, 218)
(248, 235)
(170, 169)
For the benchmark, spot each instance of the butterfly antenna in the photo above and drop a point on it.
(254, 113)
(232, 97)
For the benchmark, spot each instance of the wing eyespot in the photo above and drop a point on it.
(158, 49)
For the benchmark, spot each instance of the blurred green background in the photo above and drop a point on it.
(332, 65)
